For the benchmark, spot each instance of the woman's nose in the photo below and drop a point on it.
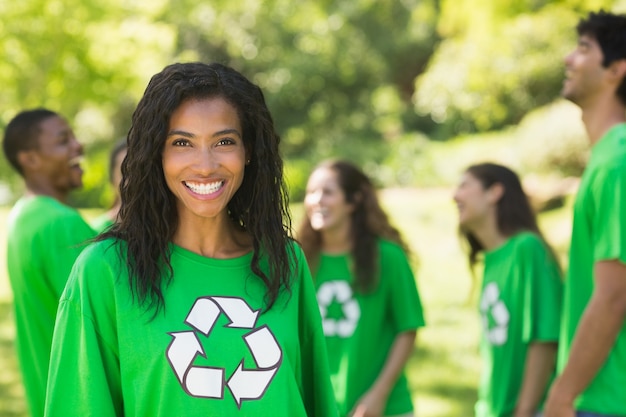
(206, 160)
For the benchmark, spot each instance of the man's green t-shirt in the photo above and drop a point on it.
(360, 328)
(44, 239)
(210, 351)
(520, 304)
(598, 234)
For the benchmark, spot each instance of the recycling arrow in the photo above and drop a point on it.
(203, 315)
(182, 351)
(199, 381)
(342, 293)
(208, 382)
(238, 312)
(247, 384)
(264, 347)
(205, 382)
(491, 304)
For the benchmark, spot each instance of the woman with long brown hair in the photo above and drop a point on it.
(366, 291)
(195, 302)
(520, 300)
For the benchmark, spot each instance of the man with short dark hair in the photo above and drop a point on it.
(45, 236)
(592, 346)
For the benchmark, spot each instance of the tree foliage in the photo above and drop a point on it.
(353, 79)
(88, 60)
(498, 61)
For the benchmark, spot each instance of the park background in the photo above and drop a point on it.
(411, 90)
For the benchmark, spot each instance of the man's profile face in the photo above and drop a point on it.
(584, 73)
(59, 155)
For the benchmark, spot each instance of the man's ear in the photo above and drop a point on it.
(617, 69)
(29, 160)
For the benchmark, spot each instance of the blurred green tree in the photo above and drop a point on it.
(354, 79)
(498, 61)
(88, 60)
(338, 76)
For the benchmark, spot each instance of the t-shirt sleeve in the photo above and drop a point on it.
(543, 292)
(84, 377)
(405, 302)
(609, 219)
(317, 392)
(65, 238)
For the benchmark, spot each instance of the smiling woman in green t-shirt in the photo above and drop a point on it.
(196, 302)
(366, 291)
(520, 301)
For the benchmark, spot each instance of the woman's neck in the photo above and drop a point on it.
(489, 235)
(216, 238)
(336, 240)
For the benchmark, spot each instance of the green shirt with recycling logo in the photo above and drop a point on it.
(520, 304)
(211, 351)
(361, 328)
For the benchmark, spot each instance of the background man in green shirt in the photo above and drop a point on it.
(44, 236)
(592, 345)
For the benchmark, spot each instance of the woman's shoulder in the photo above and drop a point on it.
(527, 238)
(96, 269)
(102, 251)
(295, 251)
(529, 241)
(390, 250)
(388, 246)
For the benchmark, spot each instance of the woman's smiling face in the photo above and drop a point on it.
(473, 201)
(204, 157)
(325, 201)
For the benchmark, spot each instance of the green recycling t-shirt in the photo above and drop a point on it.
(361, 328)
(520, 303)
(598, 234)
(44, 238)
(210, 352)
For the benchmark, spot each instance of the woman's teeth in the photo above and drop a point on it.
(204, 188)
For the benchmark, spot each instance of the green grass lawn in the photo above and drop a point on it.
(443, 371)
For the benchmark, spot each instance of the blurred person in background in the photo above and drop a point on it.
(592, 347)
(116, 157)
(45, 236)
(521, 292)
(366, 291)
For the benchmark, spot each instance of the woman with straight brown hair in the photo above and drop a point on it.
(366, 291)
(521, 291)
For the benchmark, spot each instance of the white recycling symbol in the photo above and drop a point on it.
(492, 305)
(342, 293)
(209, 382)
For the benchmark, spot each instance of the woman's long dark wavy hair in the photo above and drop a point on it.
(369, 222)
(514, 213)
(148, 217)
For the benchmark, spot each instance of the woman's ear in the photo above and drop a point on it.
(357, 198)
(495, 192)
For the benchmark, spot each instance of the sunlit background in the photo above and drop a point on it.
(412, 90)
